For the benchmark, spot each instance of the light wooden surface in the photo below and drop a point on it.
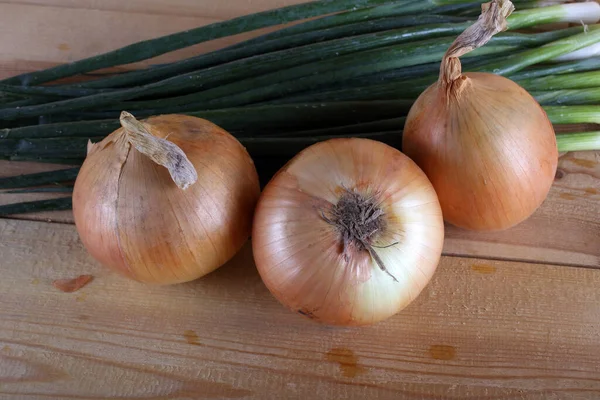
(489, 326)
(481, 329)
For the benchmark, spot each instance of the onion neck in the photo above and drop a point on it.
(161, 151)
(491, 21)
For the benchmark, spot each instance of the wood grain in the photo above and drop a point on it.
(480, 330)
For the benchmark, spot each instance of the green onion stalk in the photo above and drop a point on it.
(569, 115)
(361, 11)
(349, 64)
(581, 141)
(312, 75)
(306, 77)
(371, 117)
(413, 25)
(154, 47)
(566, 142)
(290, 64)
(587, 96)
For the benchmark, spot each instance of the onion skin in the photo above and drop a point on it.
(133, 218)
(300, 257)
(488, 148)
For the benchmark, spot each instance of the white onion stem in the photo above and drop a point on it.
(585, 13)
(577, 13)
(581, 54)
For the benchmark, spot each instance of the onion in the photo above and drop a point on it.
(155, 228)
(348, 232)
(487, 146)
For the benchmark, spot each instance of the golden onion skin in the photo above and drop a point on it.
(487, 147)
(301, 256)
(133, 218)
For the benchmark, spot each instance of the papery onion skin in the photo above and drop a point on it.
(488, 148)
(299, 255)
(133, 218)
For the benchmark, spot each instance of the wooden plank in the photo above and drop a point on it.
(481, 329)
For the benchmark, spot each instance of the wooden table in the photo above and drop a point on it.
(511, 315)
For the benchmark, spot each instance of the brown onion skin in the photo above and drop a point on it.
(299, 255)
(487, 176)
(133, 218)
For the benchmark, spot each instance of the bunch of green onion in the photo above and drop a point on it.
(353, 71)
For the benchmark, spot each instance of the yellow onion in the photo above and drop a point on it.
(166, 200)
(487, 146)
(348, 232)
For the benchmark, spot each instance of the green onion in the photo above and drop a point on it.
(274, 61)
(66, 148)
(237, 70)
(265, 147)
(568, 96)
(559, 68)
(263, 63)
(581, 54)
(57, 189)
(46, 159)
(383, 125)
(573, 114)
(30, 101)
(383, 118)
(154, 47)
(258, 117)
(9, 98)
(68, 129)
(580, 80)
(305, 77)
(276, 118)
(350, 17)
(50, 90)
(586, 13)
(326, 28)
(235, 53)
(187, 83)
(578, 141)
(63, 203)
(412, 88)
(519, 61)
(38, 179)
(574, 13)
